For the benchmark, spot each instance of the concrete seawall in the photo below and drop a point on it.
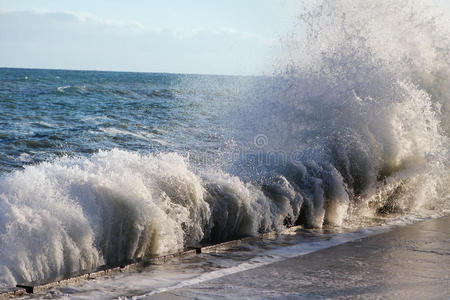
(39, 286)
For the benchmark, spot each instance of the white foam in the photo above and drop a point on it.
(364, 109)
(75, 214)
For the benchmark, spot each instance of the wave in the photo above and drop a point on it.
(76, 214)
(354, 125)
(108, 90)
(363, 104)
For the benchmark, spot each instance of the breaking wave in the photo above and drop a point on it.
(75, 214)
(363, 104)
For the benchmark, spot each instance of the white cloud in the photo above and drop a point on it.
(42, 38)
(137, 27)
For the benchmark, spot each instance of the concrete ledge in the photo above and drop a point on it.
(12, 293)
(40, 286)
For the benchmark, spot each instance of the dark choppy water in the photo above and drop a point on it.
(51, 113)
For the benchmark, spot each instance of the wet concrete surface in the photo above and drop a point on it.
(410, 262)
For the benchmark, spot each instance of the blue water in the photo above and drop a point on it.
(52, 113)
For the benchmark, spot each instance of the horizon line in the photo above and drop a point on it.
(139, 72)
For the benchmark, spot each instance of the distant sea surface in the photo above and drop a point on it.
(52, 113)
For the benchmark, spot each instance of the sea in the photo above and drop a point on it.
(349, 135)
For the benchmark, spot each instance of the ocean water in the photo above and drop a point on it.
(48, 114)
(100, 168)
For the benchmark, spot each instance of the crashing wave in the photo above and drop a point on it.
(363, 105)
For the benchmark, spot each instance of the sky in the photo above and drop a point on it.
(235, 37)
(178, 36)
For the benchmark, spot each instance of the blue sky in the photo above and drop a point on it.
(181, 36)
